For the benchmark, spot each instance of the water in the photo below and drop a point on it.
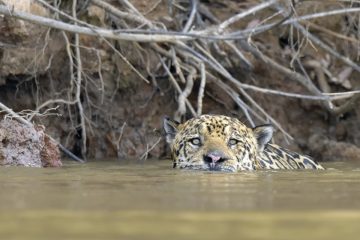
(108, 200)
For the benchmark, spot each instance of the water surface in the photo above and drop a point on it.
(109, 200)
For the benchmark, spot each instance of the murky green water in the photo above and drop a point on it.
(108, 200)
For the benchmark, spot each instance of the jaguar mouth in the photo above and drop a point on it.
(221, 168)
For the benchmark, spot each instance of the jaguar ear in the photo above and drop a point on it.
(170, 128)
(263, 135)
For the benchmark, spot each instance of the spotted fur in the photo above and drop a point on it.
(221, 143)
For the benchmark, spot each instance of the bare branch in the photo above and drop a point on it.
(241, 15)
(78, 86)
(48, 22)
(194, 4)
(120, 14)
(176, 85)
(185, 93)
(201, 88)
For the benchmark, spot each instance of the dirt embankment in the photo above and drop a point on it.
(126, 90)
(27, 146)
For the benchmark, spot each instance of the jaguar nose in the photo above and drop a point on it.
(214, 157)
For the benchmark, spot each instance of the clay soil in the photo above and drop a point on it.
(123, 113)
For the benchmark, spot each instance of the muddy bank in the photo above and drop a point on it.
(28, 146)
(125, 90)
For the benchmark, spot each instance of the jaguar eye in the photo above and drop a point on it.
(195, 141)
(233, 141)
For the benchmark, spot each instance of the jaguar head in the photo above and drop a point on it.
(216, 143)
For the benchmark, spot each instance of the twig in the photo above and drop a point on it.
(350, 104)
(205, 12)
(231, 44)
(102, 85)
(316, 65)
(71, 71)
(244, 33)
(71, 61)
(332, 33)
(119, 139)
(236, 98)
(68, 153)
(48, 22)
(152, 8)
(322, 14)
(148, 150)
(176, 85)
(177, 65)
(48, 102)
(322, 97)
(194, 4)
(78, 86)
(133, 9)
(201, 88)
(26, 113)
(120, 14)
(241, 15)
(271, 119)
(184, 94)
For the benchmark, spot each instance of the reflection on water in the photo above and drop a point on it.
(151, 201)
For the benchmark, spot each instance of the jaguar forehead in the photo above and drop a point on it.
(189, 127)
(216, 128)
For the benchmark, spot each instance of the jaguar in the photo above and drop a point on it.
(222, 143)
